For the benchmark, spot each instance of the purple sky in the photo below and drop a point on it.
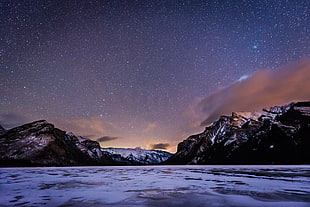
(132, 72)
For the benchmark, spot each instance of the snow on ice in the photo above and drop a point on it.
(156, 186)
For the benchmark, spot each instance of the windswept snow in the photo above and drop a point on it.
(156, 186)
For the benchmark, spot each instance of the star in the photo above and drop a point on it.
(129, 64)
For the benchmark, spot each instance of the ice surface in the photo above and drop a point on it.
(156, 186)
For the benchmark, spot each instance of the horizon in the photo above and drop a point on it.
(149, 74)
(160, 148)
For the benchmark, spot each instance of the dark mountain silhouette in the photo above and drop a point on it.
(278, 135)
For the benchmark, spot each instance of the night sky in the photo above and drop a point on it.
(130, 73)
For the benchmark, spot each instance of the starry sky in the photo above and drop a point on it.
(130, 73)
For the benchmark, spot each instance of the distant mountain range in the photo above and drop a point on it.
(41, 144)
(277, 135)
(136, 156)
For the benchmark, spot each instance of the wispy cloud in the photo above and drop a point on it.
(160, 146)
(90, 128)
(149, 127)
(262, 89)
(107, 138)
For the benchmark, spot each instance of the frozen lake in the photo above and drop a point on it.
(156, 186)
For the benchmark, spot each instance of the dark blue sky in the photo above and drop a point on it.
(131, 70)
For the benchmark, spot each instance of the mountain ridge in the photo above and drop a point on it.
(39, 143)
(276, 135)
(137, 156)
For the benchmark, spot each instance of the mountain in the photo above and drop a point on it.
(2, 130)
(136, 156)
(277, 135)
(41, 144)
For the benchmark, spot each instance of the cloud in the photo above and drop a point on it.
(93, 124)
(194, 124)
(264, 88)
(149, 127)
(9, 120)
(90, 136)
(160, 146)
(107, 138)
(90, 128)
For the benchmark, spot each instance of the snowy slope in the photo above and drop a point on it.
(276, 135)
(137, 156)
(41, 144)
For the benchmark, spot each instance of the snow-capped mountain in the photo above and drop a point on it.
(136, 156)
(41, 144)
(278, 135)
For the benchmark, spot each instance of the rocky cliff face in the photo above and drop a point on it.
(41, 144)
(2, 130)
(278, 135)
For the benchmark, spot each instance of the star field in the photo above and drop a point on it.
(131, 69)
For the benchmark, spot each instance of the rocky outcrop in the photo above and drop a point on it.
(2, 130)
(278, 135)
(136, 156)
(41, 144)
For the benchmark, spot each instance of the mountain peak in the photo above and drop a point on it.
(277, 135)
(2, 130)
(39, 143)
(137, 156)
